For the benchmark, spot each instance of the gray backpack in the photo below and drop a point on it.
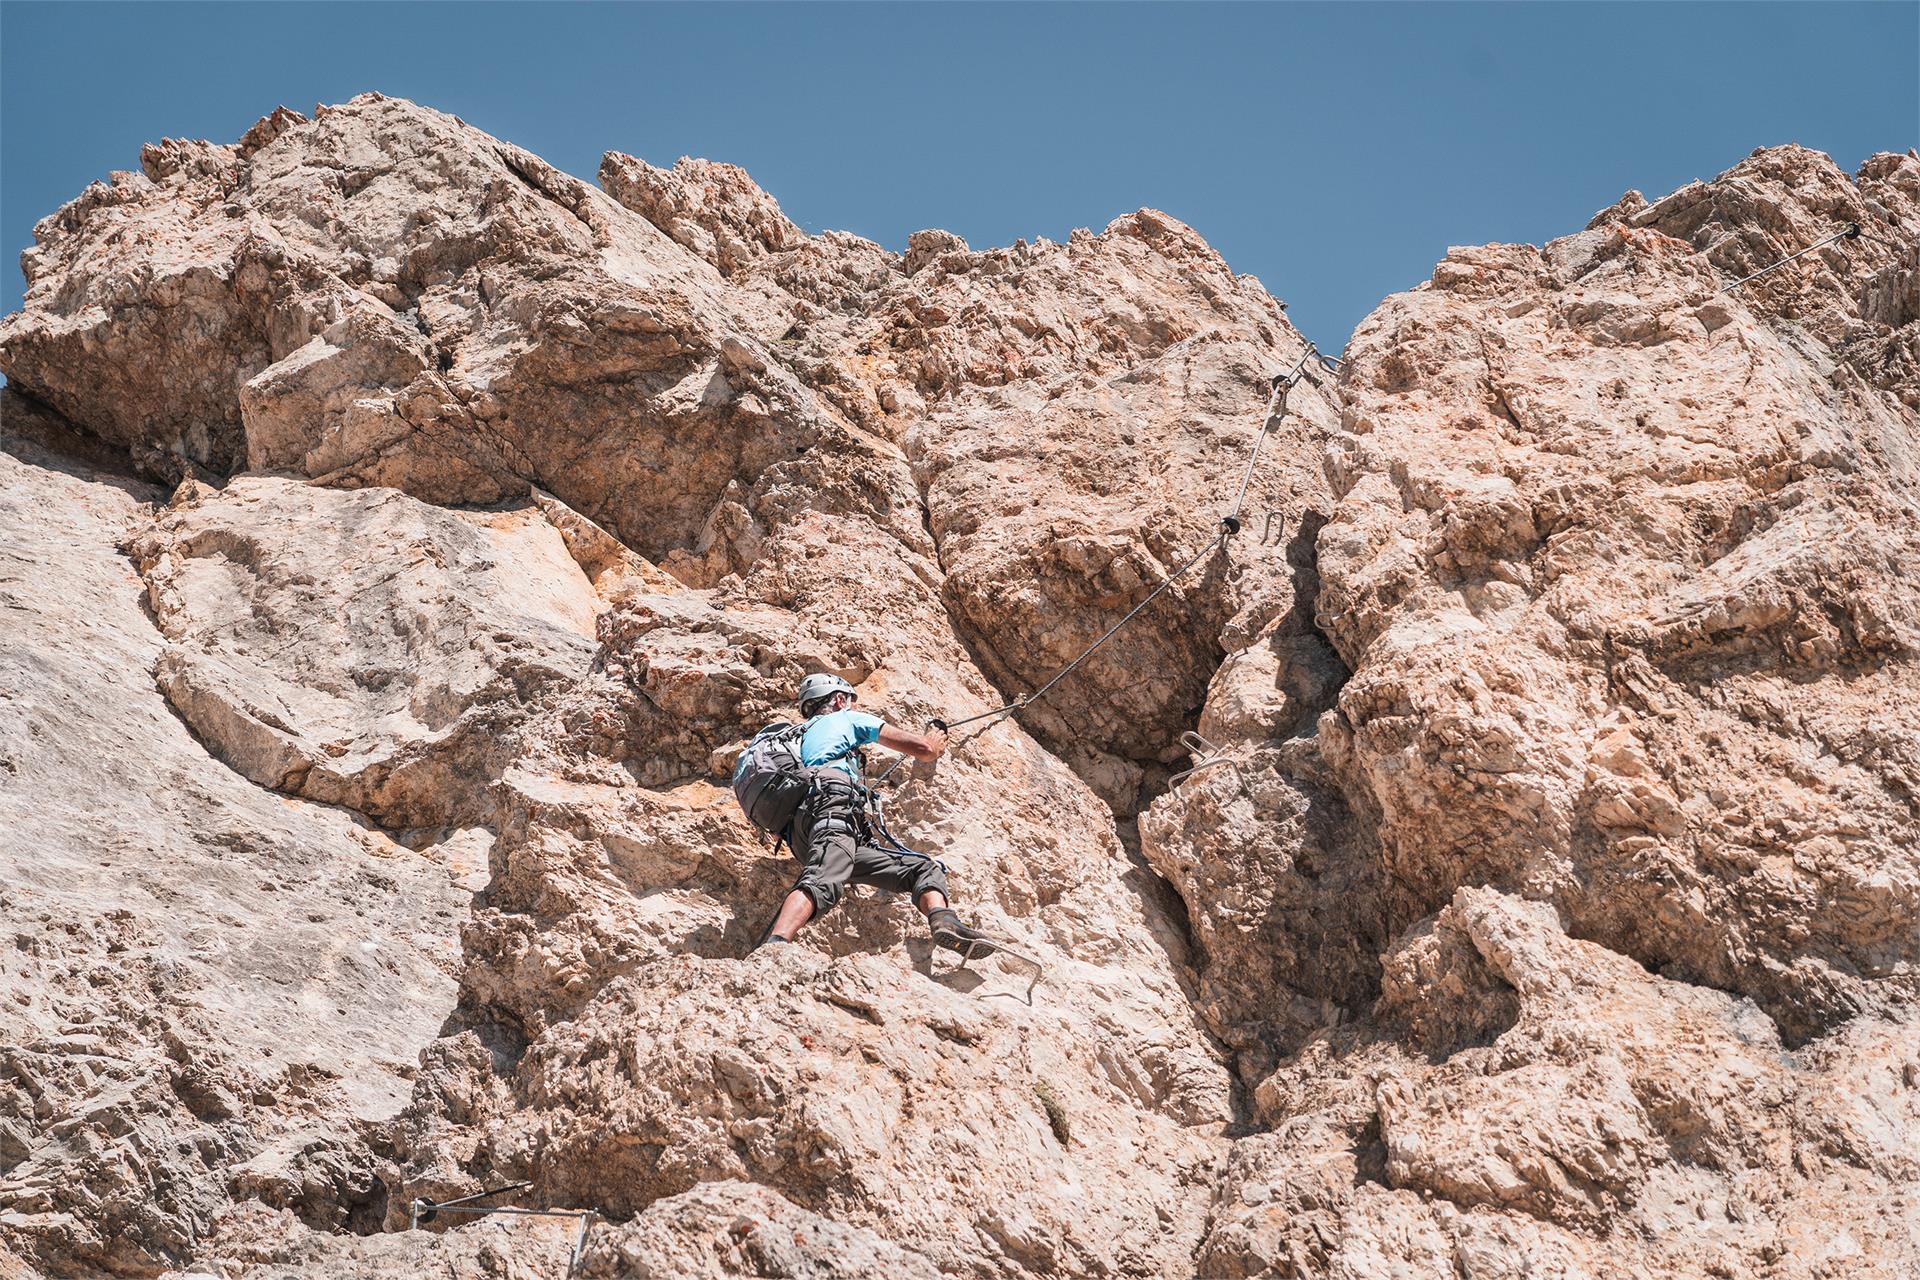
(770, 781)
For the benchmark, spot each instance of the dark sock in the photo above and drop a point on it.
(943, 918)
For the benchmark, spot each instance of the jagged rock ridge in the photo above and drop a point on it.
(1551, 911)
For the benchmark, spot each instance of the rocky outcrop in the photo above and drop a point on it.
(1641, 622)
(1615, 568)
(360, 648)
(327, 306)
(1527, 1102)
(205, 981)
(407, 536)
(684, 366)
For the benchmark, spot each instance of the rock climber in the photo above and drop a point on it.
(830, 835)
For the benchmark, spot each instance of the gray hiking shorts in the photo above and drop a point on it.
(831, 841)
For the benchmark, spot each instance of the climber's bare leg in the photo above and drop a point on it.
(794, 912)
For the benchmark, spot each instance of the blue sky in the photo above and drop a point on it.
(1333, 150)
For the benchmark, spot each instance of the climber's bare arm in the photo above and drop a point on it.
(921, 746)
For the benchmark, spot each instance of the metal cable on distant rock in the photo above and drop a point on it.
(1229, 525)
(424, 1210)
(1848, 232)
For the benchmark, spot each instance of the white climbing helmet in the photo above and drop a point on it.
(822, 684)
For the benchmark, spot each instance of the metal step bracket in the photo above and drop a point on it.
(1205, 755)
(970, 949)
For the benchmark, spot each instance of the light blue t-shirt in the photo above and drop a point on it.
(831, 738)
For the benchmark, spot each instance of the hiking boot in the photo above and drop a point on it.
(948, 932)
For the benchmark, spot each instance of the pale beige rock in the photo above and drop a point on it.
(877, 1097)
(362, 649)
(1622, 596)
(1545, 904)
(716, 1229)
(264, 1244)
(741, 1229)
(599, 882)
(198, 973)
(1617, 1124)
(1614, 567)
(1090, 410)
(457, 329)
(715, 211)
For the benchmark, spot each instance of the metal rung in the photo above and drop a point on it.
(1205, 756)
(970, 946)
(425, 1210)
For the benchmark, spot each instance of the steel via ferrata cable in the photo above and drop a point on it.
(1229, 525)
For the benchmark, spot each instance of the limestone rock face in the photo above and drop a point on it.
(403, 539)
(205, 981)
(457, 329)
(713, 210)
(744, 1229)
(1087, 444)
(1643, 618)
(1587, 1119)
(386, 663)
(1617, 568)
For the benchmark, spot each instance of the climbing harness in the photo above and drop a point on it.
(1282, 384)
(424, 1210)
(1849, 232)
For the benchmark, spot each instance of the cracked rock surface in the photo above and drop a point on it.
(402, 538)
